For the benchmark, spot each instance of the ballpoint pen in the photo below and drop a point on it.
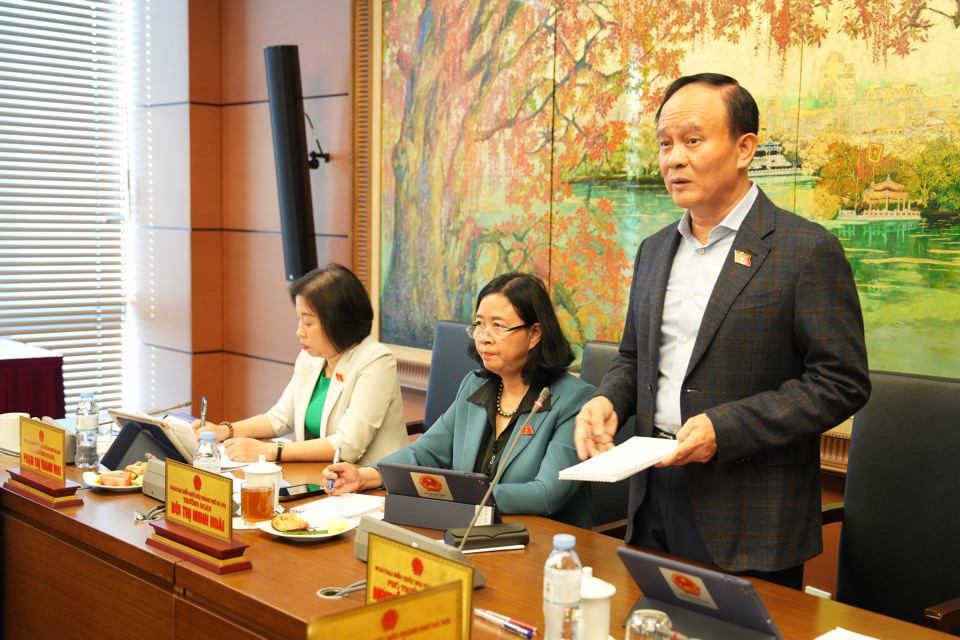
(203, 411)
(523, 625)
(504, 624)
(336, 459)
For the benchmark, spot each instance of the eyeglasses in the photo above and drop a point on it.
(477, 331)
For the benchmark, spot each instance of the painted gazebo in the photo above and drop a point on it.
(881, 195)
(886, 200)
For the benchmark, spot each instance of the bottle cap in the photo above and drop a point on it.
(207, 435)
(564, 541)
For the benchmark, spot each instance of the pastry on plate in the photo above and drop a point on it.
(289, 522)
(136, 469)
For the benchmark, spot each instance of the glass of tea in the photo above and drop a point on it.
(256, 502)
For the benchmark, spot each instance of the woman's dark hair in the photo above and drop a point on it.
(743, 116)
(529, 297)
(341, 303)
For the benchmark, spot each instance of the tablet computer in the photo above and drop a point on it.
(435, 498)
(140, 434)
(436, 484)
(701, 602)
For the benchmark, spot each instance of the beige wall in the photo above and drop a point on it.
(210, 302)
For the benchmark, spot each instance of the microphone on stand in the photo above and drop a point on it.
(154, 412)
(537, 405)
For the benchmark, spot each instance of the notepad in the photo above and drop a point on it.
(179, 428)
(624, 460)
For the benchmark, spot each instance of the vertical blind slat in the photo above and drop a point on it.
(63, 187)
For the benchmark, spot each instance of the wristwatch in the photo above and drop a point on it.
(279, 451)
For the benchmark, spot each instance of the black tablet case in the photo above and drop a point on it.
(404, 505)
(135, 441)
(740, 614)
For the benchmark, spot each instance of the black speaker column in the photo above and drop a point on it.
(290, 155)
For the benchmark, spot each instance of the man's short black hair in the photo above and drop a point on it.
(743, 116)
(529, 296)
(341, 303)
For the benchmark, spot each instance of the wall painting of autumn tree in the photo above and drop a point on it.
(520, 136)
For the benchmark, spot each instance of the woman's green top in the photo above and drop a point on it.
(311, 421)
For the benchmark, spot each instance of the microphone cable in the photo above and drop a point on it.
(332, 593)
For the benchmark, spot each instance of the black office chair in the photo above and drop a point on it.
(900, 539)
(449, 363)
(609, 499)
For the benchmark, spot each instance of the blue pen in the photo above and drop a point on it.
(336, 459)
(203, 411)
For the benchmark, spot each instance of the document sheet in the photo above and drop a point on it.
(624, 460)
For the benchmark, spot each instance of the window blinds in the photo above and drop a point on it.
(63, 187)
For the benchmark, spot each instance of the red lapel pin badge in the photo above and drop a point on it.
(527, 431)
(740, 257)
(339, 376)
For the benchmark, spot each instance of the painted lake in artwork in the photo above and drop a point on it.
(907, 271)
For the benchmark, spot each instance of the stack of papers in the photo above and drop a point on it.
(347, 505)
(226, 463)
(181, 428)
(624, 460)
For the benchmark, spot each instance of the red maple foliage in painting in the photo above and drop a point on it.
(492, 111)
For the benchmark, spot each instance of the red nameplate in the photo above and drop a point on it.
(209, 553)
(42, 489)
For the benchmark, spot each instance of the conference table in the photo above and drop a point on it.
(87, 572)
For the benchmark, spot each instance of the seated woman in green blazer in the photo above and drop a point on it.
(518, 340)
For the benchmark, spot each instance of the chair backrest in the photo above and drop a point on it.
(609, 499)
(449, 363)
(900, 540)
(597, 358)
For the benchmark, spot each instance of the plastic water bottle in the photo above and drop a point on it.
(104, 435)
(207, 455)
(561, 590)
(88, 421)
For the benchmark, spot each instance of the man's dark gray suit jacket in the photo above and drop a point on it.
(780, 358)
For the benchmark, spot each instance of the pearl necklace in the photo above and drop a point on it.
(505, 414)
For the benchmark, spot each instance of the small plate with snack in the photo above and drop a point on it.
(129, 479)
(290, 526)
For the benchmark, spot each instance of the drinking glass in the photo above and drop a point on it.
(649, 623)
(256, 503)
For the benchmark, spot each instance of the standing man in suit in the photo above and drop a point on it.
(743, 340)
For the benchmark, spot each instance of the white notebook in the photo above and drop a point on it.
(624, 460)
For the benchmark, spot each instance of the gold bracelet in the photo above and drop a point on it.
(229, 425)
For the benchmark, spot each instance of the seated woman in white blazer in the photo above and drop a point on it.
(344, 393)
